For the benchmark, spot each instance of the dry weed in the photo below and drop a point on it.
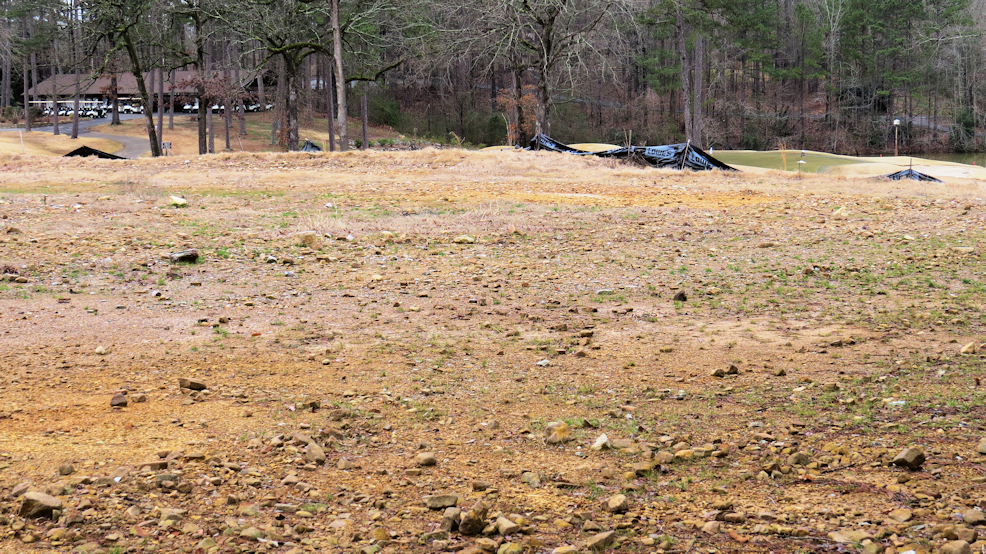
(487, 218)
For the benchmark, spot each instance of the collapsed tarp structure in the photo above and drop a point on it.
(85, 151)
(909, 173)
(675, 156)
(310, 146)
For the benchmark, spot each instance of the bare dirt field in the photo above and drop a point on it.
(509, 352)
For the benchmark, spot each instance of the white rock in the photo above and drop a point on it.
(602, 443)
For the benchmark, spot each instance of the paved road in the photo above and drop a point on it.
(133, 147)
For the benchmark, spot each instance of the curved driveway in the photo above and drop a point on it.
(133, 147)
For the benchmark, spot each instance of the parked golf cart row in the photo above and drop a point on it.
(103, 110)
(90, 112)
(221, 108)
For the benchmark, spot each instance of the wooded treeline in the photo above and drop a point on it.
(828, 75)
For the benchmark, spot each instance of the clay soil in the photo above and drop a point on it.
(756, 348)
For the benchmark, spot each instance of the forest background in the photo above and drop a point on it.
(829, 75)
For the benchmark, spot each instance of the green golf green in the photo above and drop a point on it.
(787, 160)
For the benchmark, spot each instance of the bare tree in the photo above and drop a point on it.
(341, 106)
(553, 43)
(122, 23)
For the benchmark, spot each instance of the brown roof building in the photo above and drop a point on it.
(179, 82)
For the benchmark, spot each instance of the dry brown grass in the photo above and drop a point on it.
(184, 136)
(455, 175)
(490, 217)
(38, 143)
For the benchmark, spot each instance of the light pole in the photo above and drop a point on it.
(896, 134)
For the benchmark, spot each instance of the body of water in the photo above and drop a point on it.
(970, 159)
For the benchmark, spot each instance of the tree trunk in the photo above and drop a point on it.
(34, 75)
(7, 94)
(160, 107)
(153, 90)
(200, 68)
(365, 109)
(227, 124)
(686, 70)
(115, 98)
(330, 106)
(76, 61)
(171, 103)
(281, 102)
(202, 116)
(145, 97)
(291, 110)
(513, 110)
(261, 100)
(544, 107)
(698, 90)
(227, 111)
(240, 108)
(212, 130)
(27, 100)
(55, 130)
(340, 78)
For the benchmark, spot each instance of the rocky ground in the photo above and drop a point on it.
(500, 352)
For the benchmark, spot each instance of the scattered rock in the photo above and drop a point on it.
(849, 536)
(799, 459)
(473, 521)
(712, 528)
(602, 443)
(970, 348)
(450, 519)
(440, 501)
(558, 431)
(506, 527)
(306, 239)
(426, 459)
(617, 504)
(464, 239)
(956, 547)
(119, 400)
(314, 453)
(901, 515)
(510, 548)
(345, 465)
(531, 479)
(601, 541)
(252, 533)
(177, 202)
(189, 256)
(973, 517)
(910, 458)
(680, 296)
(191, 384)
(39, 504)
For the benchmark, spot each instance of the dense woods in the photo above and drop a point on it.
(828, 75)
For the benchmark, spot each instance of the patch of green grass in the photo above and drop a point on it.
(786, 160)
